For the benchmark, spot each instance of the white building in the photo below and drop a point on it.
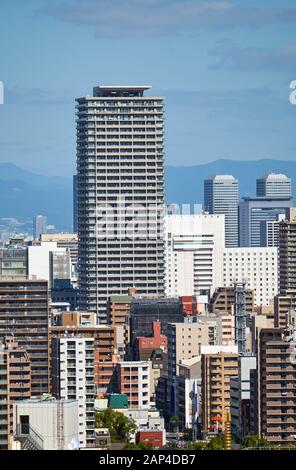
(47, 262)
(194, 246)
(258, 266)
(46, 424)
(73, 378)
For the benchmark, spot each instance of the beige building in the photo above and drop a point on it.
(218, 365)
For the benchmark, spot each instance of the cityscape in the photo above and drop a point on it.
(133, 321)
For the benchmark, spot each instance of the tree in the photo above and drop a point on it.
(139, 446)
(252, 441)
(120, 426)
(199, 445)
(217, 443)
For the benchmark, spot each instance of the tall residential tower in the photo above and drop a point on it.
(120, 194)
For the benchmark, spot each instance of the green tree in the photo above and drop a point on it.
(140, 446)
(217, 443)
(120, 426)
(199, 445)
(252, 441)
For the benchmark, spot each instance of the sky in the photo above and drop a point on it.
(224, 68)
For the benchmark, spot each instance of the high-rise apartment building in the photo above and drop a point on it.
(221, 195)
(24, 313)
(15, 385)
(285, 302)
(253, 211)
(274, 185)
(72, 373)
(120, 194)
(218, 365)
(273, 386)
(194, 246)
(39, 226)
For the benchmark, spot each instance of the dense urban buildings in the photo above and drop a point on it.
(120, 186)
(182, 325)
(221, 196)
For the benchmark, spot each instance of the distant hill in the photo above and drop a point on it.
(24, 194)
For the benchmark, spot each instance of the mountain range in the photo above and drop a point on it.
(24, 194)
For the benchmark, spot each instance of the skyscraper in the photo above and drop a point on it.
(120, 179)
(253, 211)
(221, 194)
(274, 185)
(39, 226)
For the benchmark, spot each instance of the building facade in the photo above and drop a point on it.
(258, 267)
(194, 247)
(120, 194)
(221, 195)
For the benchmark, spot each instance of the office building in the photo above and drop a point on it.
(258, 267)
(145, 311)
(24, 313)
(269, 231)
(120, 194)
(253, 211)
(194, 247)
(72, 374)
(46, 424)
(13, 263)
(39, 226)
(274, 185)
(218, 365)
(221, 195)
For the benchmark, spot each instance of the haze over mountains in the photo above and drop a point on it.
(24, 194)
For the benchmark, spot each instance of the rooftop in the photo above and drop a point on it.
(120, 90)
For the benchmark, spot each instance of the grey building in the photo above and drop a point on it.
(39, 226)
(221, 196)
(255, 210)
(120, 179)
(274, 185)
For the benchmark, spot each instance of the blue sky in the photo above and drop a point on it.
(223, 66)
